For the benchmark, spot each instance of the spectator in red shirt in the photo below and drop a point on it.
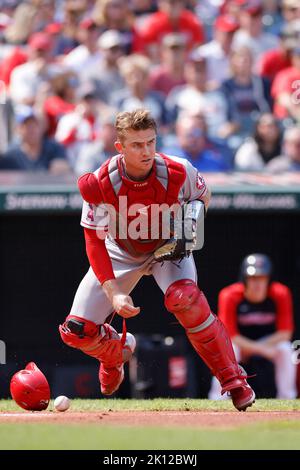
(275, 60)
(258, 314)
(285, 90)
(171, 17)
(17, 56)
(62, 99)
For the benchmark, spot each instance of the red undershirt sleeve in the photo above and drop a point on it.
(283, 298)
(227, 312)
(98, 256)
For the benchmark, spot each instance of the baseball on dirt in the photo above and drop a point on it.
(62, 403)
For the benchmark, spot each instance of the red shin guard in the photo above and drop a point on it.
(205, 331)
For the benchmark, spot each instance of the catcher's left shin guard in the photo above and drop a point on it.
(209, 338)
(103, 343)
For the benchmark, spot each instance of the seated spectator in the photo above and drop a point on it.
(275, 60)
(217, 51)
(263, 146)
(22, 23)
(75, 130)
(97, 152)
(258, 314)
(17, 56)
(45, 13)
(135, 70)
(286, 90)
(63, 41)
(26, 78)
(142, 8)
(194, 145)
(232, 8)
(106, 74)
(170, 72)
(290, 159)
(251, 33)
(116, 15)
(172, 17)
(33, 152)
(272, 17)
(246, 94)
(87, 55)
(290, 10)
(196, 97)
(67, 30)
(62, 99)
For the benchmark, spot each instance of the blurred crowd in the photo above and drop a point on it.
(221, 78)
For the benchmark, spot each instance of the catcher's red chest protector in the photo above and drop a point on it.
(161, 187)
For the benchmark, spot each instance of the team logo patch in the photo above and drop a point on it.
(200, 183)
(90, 214)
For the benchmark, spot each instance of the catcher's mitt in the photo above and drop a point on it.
(173, 250)
(180, 244)
(184, 233)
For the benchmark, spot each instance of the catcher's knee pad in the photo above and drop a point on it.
(78, 332)
(187, 302)
(99, 341)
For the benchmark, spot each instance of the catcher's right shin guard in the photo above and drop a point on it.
(103, 343)
(209, 338)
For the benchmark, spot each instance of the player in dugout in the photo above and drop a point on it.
(119, 218)
(258, 314)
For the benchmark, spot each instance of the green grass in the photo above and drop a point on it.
(284, 435)
(164, 404)
(267, 435)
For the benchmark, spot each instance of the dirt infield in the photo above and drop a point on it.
(221, 419)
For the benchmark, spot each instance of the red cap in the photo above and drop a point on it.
(40, 41)
(53, 28)
(253, 7)
(87, 23)
(226, 23)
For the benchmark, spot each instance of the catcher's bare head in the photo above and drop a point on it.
(136, 134)
(137, 120)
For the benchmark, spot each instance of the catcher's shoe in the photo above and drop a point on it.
(240, 392)
(111, 377)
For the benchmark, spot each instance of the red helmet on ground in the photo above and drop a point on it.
(30, 389)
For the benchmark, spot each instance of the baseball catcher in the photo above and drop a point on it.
(142, 211)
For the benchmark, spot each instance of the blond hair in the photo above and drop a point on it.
(128, 64)
(101, 18)
(137, 120)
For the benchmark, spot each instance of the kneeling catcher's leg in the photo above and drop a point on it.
(103, 343)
